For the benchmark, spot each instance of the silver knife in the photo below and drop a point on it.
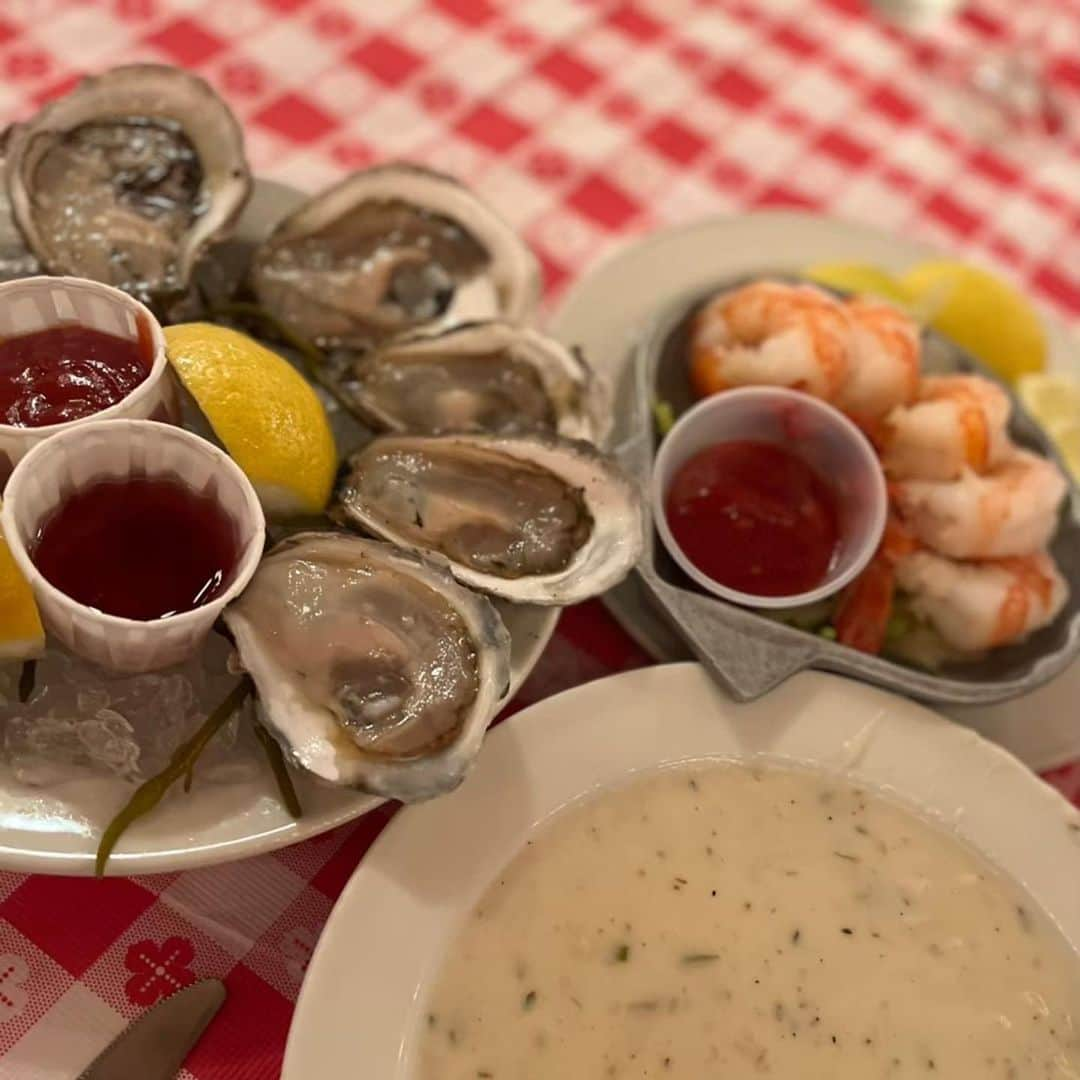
(153, 1046)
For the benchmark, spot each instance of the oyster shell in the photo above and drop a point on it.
(392, 250)
(127, 178)
(16, 259)
(374, 669)
(487, 376)
(534, 519)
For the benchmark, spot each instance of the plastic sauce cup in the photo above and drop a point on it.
(804, 426)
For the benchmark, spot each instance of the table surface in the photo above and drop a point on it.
(584, 123)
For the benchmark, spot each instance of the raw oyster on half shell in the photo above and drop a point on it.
(374, 669)
(128, 178)
(489, 376)
(393, 250)
(533, 519)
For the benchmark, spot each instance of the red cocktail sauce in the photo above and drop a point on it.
(754, 517)
(141, 548)
(67, 373)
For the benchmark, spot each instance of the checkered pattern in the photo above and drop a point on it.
(584, 122)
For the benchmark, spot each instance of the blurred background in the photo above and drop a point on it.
(586, 122)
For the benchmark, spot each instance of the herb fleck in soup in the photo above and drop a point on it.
(734, 922)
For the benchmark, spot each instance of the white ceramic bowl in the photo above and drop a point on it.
(29, 305)
(812, 430)
(115, 449)
(364, 999)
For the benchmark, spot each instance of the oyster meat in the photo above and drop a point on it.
(373, 668)
(393, 250)
(533, 519)
(487, 376)
(126, 179)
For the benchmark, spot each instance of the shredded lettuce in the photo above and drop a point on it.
(663, 417)
(900, 624)
(813, 618)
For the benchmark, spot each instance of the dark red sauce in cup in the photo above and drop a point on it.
(141, 548)
(754, 517)
(68, 372)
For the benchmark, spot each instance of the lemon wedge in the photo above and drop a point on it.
(862, 279)
(21, 633)
(981, 313)
(265, 413)
(1054, 400)
(1067, 440)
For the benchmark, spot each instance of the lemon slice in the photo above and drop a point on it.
(21, 634)
(1067, 440)
(265, 413)
(981, 313)
(1054, 400)
(862, 279)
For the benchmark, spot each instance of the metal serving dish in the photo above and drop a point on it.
(750, 654)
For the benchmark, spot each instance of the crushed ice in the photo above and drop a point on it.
(82, 720)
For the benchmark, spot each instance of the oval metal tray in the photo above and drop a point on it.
(750, 654)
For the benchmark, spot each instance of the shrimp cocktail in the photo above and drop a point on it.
(963, 564)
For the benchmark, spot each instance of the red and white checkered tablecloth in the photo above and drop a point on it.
(584, 122)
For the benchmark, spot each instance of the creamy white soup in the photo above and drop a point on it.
(729, 922)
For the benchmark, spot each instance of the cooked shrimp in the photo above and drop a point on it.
(771, 334)
(956, 422)
(862, 615)
(976, 606)
(883, 369)
(1012, 509)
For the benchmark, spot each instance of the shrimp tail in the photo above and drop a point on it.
(705, 373)
(862, 616)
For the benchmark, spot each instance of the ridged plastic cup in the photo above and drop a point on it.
(29, 305)
(116, 450)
